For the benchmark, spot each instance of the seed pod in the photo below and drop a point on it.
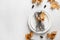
(44, 6)
(41, 36)
(32, 6)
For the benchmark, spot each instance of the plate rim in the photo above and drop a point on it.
(50, 23)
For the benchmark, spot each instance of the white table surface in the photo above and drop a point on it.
(14, 15)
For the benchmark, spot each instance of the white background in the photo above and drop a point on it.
(14, 15)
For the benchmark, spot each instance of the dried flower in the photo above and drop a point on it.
(51, 35)
(41, 16)
(33, 1)
(55, 5)
(39, 2)
(28, 36)
(51, 1)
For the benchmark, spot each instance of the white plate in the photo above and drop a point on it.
(32, 23)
